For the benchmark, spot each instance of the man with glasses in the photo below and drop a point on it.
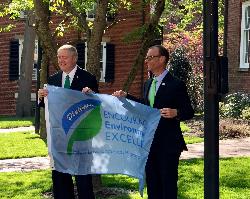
(169, 94)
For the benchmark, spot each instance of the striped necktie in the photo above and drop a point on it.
(152, 92)
(67, 82)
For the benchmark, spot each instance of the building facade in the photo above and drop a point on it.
(238, 45)
(117, 58)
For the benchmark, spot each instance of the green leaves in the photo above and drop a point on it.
(13, 11)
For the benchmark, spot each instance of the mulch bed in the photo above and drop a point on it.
(229, 128)
(103, 193)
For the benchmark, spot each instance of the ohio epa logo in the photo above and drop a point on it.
(88, 127)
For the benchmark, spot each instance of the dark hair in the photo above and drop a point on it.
(162, 50)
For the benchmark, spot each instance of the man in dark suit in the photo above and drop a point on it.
(73, 77)
(168, 94)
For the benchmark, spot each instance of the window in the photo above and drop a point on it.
(23, 14)
(14, 60)
(245, 30)
(91, 13)
(102, 61)
(107, 60)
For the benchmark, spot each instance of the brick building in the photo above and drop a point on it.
(238, 45)
(117, 59)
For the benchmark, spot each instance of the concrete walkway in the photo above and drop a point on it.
(19, 129)
(228, 148)
(24, 164)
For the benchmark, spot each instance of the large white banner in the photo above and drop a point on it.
(98, 133)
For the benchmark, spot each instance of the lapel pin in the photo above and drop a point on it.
(163, 84)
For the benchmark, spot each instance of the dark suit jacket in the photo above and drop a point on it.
(172, 93)
(81, 79)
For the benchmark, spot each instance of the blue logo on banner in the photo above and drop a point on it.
(77, 110)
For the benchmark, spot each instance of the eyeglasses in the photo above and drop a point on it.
(149, 58)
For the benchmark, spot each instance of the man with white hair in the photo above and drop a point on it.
(72, 77)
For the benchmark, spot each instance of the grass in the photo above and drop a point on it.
(190, 139)
(234, 182)
(237, 185)
(13, 122)
(21, 145)
(193, 139)
(24, 185)
(184, 127)
(28, 144)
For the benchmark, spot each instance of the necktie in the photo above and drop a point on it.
(152, 92)
(67, 82)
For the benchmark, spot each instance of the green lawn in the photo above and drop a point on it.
(21, 145)
(24, 185)
(234, 182)
(28, 144)
(193, 140)
(234, 178)
(184, 127)
(190, 139)
(13, 122)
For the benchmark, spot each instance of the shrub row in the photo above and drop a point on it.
(235, 105)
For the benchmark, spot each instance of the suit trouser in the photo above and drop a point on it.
(63, 187)
(162, 175)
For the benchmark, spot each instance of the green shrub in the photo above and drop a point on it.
(234, 104)
(179, 65)
(196, 91)
(246, 113)
(184, 69)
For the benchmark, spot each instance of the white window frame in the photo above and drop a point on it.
(102, 59)
(34, 73)
(91, 13)
(243, 53)
(23, 14)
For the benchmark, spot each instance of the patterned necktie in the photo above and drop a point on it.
(67, 82)
(152, 92)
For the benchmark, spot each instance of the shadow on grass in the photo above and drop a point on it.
(117, 186)
(26, 184)
(120, 181)
(236, 177)
(108, 192)
(190, 184)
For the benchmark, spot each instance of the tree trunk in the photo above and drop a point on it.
(43, 80)
(48, 42)
(147, 40)
(49, 50)
(24, 104)
(95, 39)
